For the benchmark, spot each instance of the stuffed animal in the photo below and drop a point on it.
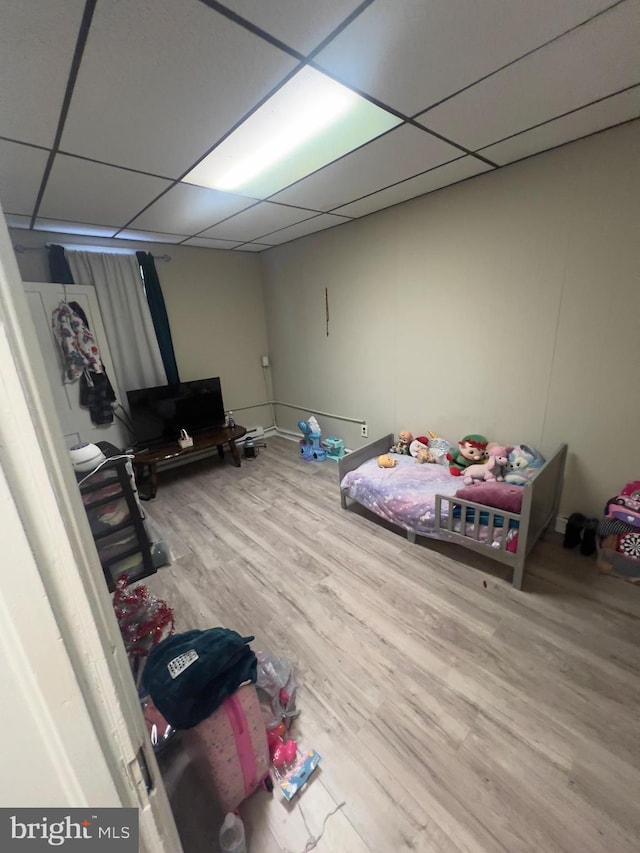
(420, 450)
(524, 461)
(501, 453)
(386, 461)
(492, 469)
(439, 447)
(425, 454)
(471, 450)
(402, 444)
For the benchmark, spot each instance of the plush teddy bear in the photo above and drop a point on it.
(492, 469)
(471, 450)
(402, 444)
(386, 461)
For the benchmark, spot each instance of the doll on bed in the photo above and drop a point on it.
(471, 450)
(402, 444)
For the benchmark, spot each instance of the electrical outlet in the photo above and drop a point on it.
(364, 430)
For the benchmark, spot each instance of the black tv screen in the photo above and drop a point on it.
(161, 412)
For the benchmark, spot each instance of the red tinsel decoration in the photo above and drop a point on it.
(143, 618)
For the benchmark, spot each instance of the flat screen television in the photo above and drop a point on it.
(160, 413)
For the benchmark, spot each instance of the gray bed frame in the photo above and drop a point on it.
(539, 509)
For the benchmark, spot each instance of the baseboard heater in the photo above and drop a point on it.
(257, 433)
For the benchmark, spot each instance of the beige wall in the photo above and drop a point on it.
(508, 305)
(215, 305)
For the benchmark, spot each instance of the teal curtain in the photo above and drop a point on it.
(59, 266)
(159, 315)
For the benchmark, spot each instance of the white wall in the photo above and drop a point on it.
(215, 305)
(508, 305)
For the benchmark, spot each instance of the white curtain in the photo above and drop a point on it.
(125, 314)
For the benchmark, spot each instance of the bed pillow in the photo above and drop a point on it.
(498, 495)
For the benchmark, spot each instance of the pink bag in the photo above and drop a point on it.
(230, 749)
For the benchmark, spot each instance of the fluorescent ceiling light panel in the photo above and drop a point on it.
(80, 228)
(309, 122)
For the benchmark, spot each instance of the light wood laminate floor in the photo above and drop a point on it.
(452, 712)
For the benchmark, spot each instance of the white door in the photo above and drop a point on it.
(50, 546)
(43, 299)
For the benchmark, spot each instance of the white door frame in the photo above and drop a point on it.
(36, 466)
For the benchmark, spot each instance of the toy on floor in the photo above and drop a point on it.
(295, 774)
(471, 450)
(625, 507)
(310, 447)
(292, 764)
(334, 447)
(282, 749)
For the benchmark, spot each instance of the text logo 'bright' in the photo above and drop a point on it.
(87, 830)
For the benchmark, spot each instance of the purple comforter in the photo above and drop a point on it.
(404, 495)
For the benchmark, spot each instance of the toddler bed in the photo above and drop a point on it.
(421, 499)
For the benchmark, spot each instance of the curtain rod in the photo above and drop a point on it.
(19, 249)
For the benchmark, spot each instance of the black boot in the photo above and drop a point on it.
(573, 531)
(588, 544)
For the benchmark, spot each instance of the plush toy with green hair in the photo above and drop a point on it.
(471, 450)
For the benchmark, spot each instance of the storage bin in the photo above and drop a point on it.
(611, 562)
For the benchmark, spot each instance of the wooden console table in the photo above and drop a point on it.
(204, 440)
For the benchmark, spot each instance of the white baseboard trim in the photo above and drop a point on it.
(288, 434)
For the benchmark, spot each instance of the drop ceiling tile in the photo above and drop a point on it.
(418, 53)
(301, 229)
(37, 41)
(160, 82)
(588, 63)
(21, 171)
(80, 190)
(301, 24)
(14, 220)
(149, 236)
(251, 247)
(604, 114)
(187, 209)
(390, 158)
(210, 243)
(85, 229)
(261, 219)
(442, 176)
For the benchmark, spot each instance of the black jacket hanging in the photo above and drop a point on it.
(96, 391)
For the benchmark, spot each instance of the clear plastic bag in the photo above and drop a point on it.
(277, 688)
(160, 552)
